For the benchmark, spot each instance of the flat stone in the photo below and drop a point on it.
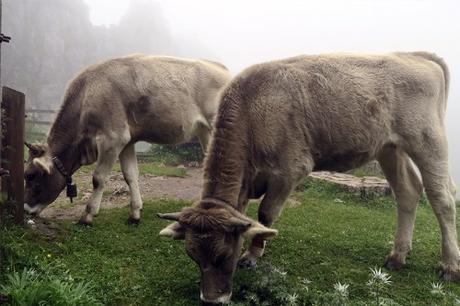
(364, 186)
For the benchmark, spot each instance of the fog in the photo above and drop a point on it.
(53, 39)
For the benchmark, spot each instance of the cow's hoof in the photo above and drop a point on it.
(449, 274)
(247, 261)
(394, 264)
(132, 221)
(84, 223)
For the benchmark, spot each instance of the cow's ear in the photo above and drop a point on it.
(45, 163)
(238, 223)
(258, 229)
(175, 231)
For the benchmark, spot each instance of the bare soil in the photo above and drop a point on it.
(116, 193)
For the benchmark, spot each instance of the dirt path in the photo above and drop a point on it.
(152, 187)
(116, 193)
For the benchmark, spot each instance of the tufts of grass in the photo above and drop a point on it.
(31, 287)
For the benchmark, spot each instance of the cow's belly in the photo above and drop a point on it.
(341, 162)
(164, 119)
(349, 150)
(163, 130)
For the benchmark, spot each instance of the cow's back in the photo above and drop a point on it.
(339, 110)
(160, 98)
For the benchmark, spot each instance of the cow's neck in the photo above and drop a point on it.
(227, 160)
(70, 159)
(63, 139)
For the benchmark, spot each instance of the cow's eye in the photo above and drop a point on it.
(29, 177)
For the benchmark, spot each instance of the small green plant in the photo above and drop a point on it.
(30, 287)
(377, 285)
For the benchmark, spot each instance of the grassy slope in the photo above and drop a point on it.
(322, 239)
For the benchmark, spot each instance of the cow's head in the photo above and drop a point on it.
(213, 239)
(43, 180)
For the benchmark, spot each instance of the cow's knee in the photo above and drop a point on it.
(452, 188)
(128, 180)
(98, 182)
(442, 202)
(266, 217)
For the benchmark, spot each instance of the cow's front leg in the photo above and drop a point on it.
(270, 208)
(104, 165)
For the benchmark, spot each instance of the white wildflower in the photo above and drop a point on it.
(341, 289)
(32, 272)
(291, 299)
(279, 271)
(437, 289)
(380, 277)
(252, 298)
(305, 282)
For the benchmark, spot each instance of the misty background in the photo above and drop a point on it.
(52, 40)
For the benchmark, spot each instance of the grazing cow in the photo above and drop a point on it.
(112, 105)
(281, 120)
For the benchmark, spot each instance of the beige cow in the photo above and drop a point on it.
(281, 120)
(112, 105)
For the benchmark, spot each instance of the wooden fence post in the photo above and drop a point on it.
(13, 108)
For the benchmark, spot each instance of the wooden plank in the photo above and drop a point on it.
(13, 106)
(40, 111)
(40, 122)
(37, 133)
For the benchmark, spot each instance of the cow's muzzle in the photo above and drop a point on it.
(221, 299)
(34, 210)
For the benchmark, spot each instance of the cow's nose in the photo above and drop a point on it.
(221, 299)
(34, 211)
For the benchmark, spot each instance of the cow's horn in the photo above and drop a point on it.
(170, 216)
(238, 222)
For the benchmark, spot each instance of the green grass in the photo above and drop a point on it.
(322, 239)
(178, 154)
(145, 168)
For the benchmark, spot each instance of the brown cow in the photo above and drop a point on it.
(281, 120)
(108, 108)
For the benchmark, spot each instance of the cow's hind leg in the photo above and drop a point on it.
(108, 151)
(407, 189)
(278, 191)
(432, 159)
(130, 171)
(203, 132)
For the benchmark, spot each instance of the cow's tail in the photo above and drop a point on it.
(440, 61)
